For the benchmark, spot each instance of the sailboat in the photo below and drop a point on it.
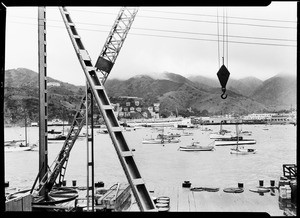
(222, 134)
(162, 139)
(58, 136)
(18, 145)
(240, 149)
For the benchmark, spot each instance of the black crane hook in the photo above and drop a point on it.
(223, 96)
(223, 75)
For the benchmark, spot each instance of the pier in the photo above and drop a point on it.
(185, 200)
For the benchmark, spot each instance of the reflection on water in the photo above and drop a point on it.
(164, 166)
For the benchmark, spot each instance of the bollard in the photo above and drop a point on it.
(6, 184)
(74, 182)
(240, 185)
(64, 183)
(261, 183)
(99, 184)
(272, 183)
(186, 184)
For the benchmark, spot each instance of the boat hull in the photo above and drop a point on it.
(14, 148)
(219, 136)
(159, 141)
(243, 151)
(226, 143)
(210, 148)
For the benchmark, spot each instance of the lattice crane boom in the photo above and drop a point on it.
(108, 54)
(123, 151)
(104, 65)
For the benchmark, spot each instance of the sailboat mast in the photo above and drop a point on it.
(237, 134)
(25, 129)
(63, 121)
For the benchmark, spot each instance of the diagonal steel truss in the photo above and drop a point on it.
(103, 65)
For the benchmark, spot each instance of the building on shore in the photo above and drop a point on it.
(129, 107)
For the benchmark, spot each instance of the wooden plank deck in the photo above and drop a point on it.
(185, 200)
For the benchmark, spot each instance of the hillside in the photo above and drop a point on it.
(21, 93)
(277, 93)
(245, 86)
(173, 91)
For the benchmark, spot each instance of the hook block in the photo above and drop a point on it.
(223, 75)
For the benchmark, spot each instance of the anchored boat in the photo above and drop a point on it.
(241, 150)
(236, 140)
(221, 134)
(195, 146)
(159, 140)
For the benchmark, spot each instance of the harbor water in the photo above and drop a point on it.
(163, 165)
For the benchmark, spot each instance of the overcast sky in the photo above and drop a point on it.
(181, 40)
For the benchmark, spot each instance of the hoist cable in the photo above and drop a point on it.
(226, 39)
(223, 38)
(218, 38)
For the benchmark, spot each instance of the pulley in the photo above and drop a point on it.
(223, 75)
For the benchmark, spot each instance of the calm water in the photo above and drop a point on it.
(164, 165)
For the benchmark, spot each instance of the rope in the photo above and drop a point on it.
(204, 189)
(233, 190)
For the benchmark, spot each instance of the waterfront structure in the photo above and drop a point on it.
(55, 84)
(34, 124)
(130, 107)
(280, 119)
(258, 116)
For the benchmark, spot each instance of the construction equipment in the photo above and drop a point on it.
(95, 82)
(124, 153)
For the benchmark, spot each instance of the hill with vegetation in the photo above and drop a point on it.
(196, 95)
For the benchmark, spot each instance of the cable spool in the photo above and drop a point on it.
(163, 204)
(163, 199)
(233, 190)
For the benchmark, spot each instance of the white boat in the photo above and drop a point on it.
(243, 151)
(234, 141)
(246, 133)
(195, 146)
(184, 133)
(21, 147)
(240, 149)
(217, 135)
(160, 141)
(57, 137)
(223, 133)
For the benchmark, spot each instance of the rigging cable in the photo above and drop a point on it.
(209, 15)
(175, 37)
(180, 19)
(173, 31)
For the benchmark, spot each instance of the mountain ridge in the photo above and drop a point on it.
(172, 91)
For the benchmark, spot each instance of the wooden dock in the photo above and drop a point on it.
(185, 200)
